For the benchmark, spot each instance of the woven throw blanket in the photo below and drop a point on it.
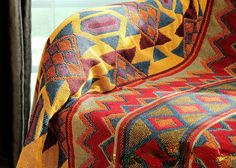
(139, 84)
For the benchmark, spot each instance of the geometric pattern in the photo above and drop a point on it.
(92, 25)
(224, 44)
(83, 44)
(192, 28)
(158, 55)
(61, 60)
(190, 108)
(162, 124)
(145, 18)
(137, 84)
(126, 72)
(112, 41)
(165, 123)
(179, 7)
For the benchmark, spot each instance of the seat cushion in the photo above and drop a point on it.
(145, 126)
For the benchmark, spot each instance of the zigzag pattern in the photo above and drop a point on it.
(222, 43)
(225, 43)
(110, 111)
(162, 121)
(123, 102)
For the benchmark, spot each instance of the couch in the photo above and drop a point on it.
(150, 83)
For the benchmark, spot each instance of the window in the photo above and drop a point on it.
(46, 16)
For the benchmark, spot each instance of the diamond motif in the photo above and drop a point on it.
(212, 99)
(145, 18)
(63, 62)
(58, 59)
(164, 123)
(188, 109)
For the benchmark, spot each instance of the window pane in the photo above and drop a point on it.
(63, 13)
(42, 26)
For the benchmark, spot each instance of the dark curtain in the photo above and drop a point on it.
(15, 69)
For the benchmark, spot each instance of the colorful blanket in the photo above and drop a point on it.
(139, 84)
